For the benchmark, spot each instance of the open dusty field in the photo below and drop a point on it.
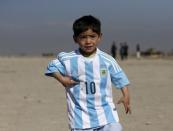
(30, 101)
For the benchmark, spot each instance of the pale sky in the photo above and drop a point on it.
(37, 26)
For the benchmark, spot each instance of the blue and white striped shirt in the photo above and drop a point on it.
(90, 102)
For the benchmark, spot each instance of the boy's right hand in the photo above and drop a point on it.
(67, 81)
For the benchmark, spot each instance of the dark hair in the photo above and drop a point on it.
(86, 22)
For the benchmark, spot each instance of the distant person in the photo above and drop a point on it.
(121, 51)
(114, 50)
(126, 50)
(138, 51)
(87, 74)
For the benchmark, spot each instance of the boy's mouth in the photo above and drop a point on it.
(88, 47)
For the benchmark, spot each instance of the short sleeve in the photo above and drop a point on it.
(53, 67)
(118, 77)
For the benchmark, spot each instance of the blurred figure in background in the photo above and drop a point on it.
(121, 51)
(114, 50)
(126, 52)
(138, 51)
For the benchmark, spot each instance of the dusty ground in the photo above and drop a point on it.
(29, 101)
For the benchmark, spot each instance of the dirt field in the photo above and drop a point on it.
(30, 101)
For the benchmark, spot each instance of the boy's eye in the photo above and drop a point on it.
(82, 37)
(93, 36)
(88, 36)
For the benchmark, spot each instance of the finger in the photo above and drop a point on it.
(126, 107)
(128, 110)
(73, 82)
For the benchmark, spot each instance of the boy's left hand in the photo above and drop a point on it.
(126, 103)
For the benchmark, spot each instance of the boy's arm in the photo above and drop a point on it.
(125, 99)
(56, 69)
(66, 81)
(120, 80)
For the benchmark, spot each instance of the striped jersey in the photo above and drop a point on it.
(89, 102)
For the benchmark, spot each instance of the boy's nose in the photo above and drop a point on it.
(88, 40)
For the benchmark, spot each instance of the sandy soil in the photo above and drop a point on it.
(29, 101)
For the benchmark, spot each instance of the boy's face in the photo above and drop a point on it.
(88, 42)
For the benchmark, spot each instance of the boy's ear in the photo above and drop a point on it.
(100, 36)
(75, 38)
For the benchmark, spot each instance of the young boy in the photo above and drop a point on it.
(87, 75)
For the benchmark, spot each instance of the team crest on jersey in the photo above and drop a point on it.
(103, 72)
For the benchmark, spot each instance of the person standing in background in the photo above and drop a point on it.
(121, 51)
(114, 50)
(126, 50)
(138, 51)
